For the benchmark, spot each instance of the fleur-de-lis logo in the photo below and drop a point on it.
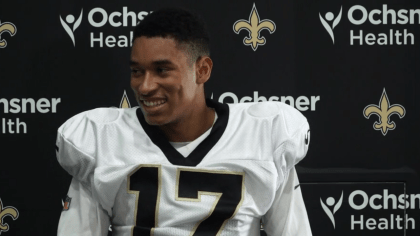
(254, 26)
(7, 211)
(9, 28)
(125, 103)
(384, 111)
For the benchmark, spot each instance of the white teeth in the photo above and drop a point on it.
(150, 104)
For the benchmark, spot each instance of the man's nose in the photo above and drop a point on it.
(148, 85)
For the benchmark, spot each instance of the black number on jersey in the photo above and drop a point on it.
(146, 180)
(227, 186)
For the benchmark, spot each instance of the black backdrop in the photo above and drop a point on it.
(330, 81)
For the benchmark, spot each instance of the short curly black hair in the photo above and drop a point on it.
(185, 27)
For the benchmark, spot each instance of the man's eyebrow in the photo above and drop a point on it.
(133, 63)
(155, 63)
(162, 62)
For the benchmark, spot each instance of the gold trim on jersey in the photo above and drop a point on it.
(217, 194)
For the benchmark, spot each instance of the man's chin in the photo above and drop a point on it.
(155, 120)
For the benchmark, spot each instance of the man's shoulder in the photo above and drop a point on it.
(87, 129)
(95, 117)
(277, 121)
(88, 135)
(271, 110)
(275, 126)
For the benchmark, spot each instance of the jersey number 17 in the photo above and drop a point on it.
(227, 186)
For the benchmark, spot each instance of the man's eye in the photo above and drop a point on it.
(161, 70)
(135, 71)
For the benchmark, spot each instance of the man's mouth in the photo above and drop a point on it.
(153, 103)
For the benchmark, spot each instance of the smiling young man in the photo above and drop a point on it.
(169, 85)
(181, 164)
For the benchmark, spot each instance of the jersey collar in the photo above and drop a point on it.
(197, 155)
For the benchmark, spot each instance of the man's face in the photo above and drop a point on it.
(162, 79)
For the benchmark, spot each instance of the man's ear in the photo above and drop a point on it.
(204, 65)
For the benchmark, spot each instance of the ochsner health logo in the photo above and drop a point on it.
(391, 25)
(69, 20)
(329, 17)
(331, 202)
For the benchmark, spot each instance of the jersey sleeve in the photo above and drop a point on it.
(291, 138)
(76, 149)
(287, 215)
(83, 216)
(75, 146)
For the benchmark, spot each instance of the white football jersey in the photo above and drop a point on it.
(127, 174)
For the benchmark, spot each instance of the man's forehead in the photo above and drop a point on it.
(156, 49)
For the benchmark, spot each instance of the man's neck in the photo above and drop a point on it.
(191, 127)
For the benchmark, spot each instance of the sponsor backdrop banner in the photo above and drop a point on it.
(351, 67)
(357, 208)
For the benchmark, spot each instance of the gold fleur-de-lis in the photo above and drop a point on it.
(6, 27)
(254, 25)
(7, 211)
(125, 103)
(384, 111)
